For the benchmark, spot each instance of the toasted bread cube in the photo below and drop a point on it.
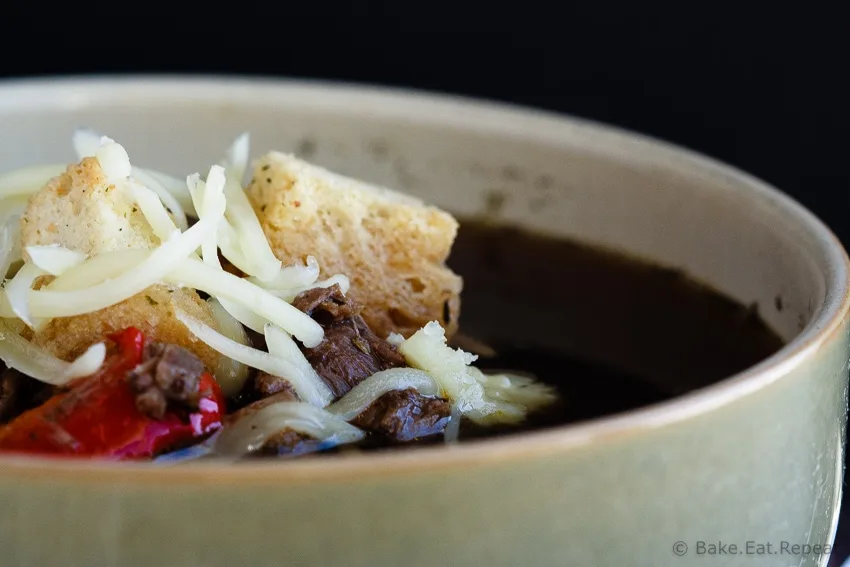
(392, 246)
(81, 211)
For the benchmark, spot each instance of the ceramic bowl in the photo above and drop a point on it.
(756, 457)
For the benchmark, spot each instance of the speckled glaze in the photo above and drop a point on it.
(755, 458)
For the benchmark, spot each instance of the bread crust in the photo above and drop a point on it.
(393, 247)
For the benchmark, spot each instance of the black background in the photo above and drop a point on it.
(759, 85)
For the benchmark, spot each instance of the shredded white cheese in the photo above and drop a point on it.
(292, 277)
(48, 303)
(154, 211)
(315, 393)
(289, 295)
(255, 246)
(281, 345)
(54, 259)
(221, 284)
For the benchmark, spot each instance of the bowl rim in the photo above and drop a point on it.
(69, 92)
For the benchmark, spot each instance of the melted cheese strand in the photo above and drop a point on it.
(316, 394)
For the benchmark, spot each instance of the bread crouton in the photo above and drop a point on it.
(81, 211)
(393, 247)
(151, 311)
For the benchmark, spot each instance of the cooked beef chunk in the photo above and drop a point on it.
(167, 374)
(405, 415)
(351, 352)
(19, 392)
(327, 304)
(267, 385)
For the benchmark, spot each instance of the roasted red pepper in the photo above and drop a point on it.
(98, 415)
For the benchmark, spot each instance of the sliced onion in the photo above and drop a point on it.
(289, 295)
(25, 357)
(307, 390)
(249, 433)
(154, 211)
(18, 290)
(291, 277)
(366, 392)
(218, 283)
(28, 180)
(452, 431)
(54, 259)
(245, 316)
(230, 374)
(87, 364)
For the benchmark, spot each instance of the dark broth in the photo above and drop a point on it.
(611, 333)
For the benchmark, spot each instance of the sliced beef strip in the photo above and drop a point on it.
(351, 352)
(168, 374)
